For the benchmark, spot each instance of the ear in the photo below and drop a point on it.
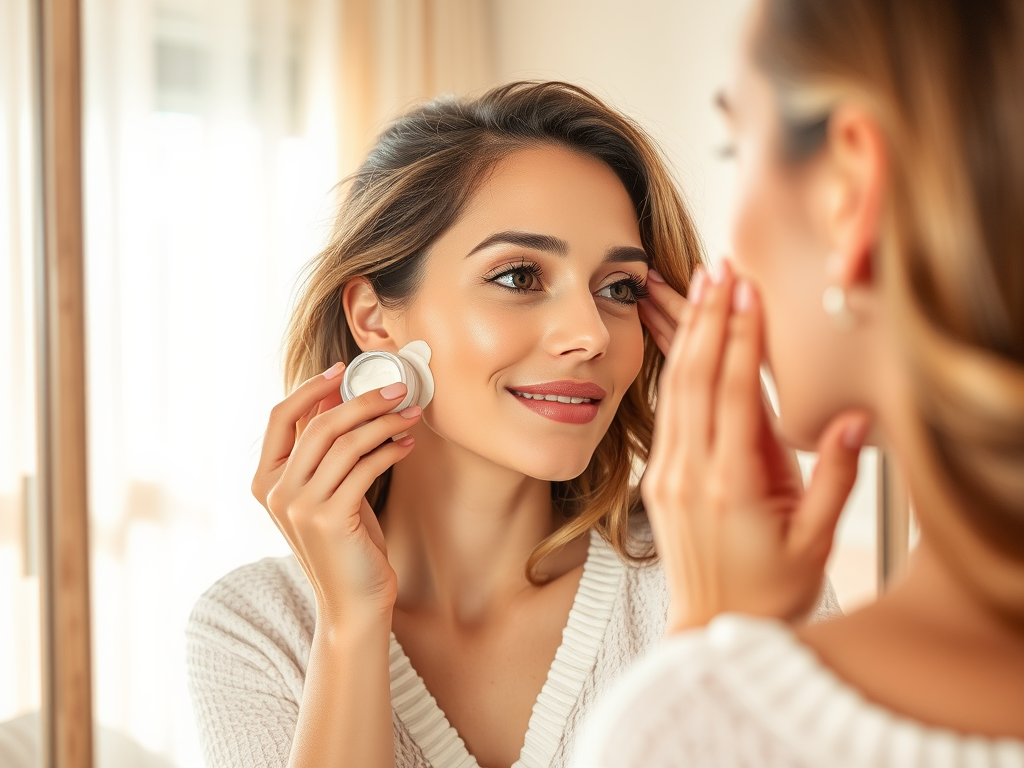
(857, 175)
(365, 316)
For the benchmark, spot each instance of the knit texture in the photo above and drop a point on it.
(745, 693)
(249, 637)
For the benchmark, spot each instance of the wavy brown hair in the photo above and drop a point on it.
(945, 80)
(412, 187)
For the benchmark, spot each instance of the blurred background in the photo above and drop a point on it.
(214, 133)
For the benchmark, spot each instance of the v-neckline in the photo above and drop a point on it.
(574, 660)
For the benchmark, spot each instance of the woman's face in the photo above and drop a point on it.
(529, 305)
(781, 243)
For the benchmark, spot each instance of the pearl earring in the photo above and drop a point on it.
(836, 307)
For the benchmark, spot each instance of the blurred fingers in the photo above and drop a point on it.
(830, 485)
(739, 408)
(696, 372)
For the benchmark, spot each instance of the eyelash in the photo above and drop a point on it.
(636, 284)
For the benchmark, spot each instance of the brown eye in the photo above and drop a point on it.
(522, 280)
(628, 291)
(518, 279)
(620, 292)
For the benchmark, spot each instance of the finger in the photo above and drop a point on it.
(700, 362)
(332, 400)
(838, 451)
(358, 481)
(739, 408)
(669, 465)
(347, 450)
(281, 433)
(665, 297)
(657, 325)
(668, 422)
(350, 424)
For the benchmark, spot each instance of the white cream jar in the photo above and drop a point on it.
(376, 368)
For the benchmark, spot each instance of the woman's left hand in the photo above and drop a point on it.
(734, 528)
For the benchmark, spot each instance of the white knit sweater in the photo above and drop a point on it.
(249, 639)
(745, 693)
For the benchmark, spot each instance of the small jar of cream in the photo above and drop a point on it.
(377, 368)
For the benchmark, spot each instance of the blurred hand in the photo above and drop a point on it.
(732, 524)
(319, 458)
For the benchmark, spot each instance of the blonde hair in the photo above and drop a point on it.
(944, 80)
(412, 187)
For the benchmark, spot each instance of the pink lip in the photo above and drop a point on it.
(566, 413)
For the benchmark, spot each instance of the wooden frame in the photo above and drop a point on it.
(893, 522)
(67, 736)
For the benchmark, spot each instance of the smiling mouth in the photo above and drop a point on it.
(551, 398)
(569, 402)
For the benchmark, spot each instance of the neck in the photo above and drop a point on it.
(459, 529)
(933, 594)
(953, 559)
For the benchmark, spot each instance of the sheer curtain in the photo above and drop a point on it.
(214, 133)
(19, 585)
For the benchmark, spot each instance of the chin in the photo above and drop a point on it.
(799, 429)
(559, 474)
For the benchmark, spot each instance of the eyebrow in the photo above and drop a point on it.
(557, 246)
(530, 240)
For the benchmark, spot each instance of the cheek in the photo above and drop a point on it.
(775, 246)
(472, 344)
(626, 352)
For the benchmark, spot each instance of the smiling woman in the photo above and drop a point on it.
(464, 591)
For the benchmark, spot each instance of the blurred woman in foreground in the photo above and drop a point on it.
(879, 271)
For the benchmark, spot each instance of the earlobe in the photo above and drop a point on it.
(365, 317)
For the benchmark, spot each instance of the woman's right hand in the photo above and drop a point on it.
(319, 458)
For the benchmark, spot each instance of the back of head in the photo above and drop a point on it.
(945, 79)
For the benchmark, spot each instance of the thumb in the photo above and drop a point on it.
(831, 483)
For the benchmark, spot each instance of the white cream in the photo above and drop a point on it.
(373, 373)
(376, 368)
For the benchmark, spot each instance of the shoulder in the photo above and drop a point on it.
(679, 706)
(745, 687)
(258, 612)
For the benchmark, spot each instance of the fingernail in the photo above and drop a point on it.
(411, 412)
(405, 442)
(334, 371)
(394, 391)
(697, 286)
(655, 276)
(724, 270)
(742, 296)
(855, 433)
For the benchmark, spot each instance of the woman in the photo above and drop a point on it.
(465, 592)
(879, 248)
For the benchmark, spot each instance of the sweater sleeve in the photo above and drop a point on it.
(669, 711)
(828, 604)
(248, 644)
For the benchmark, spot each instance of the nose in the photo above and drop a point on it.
(576, 328)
